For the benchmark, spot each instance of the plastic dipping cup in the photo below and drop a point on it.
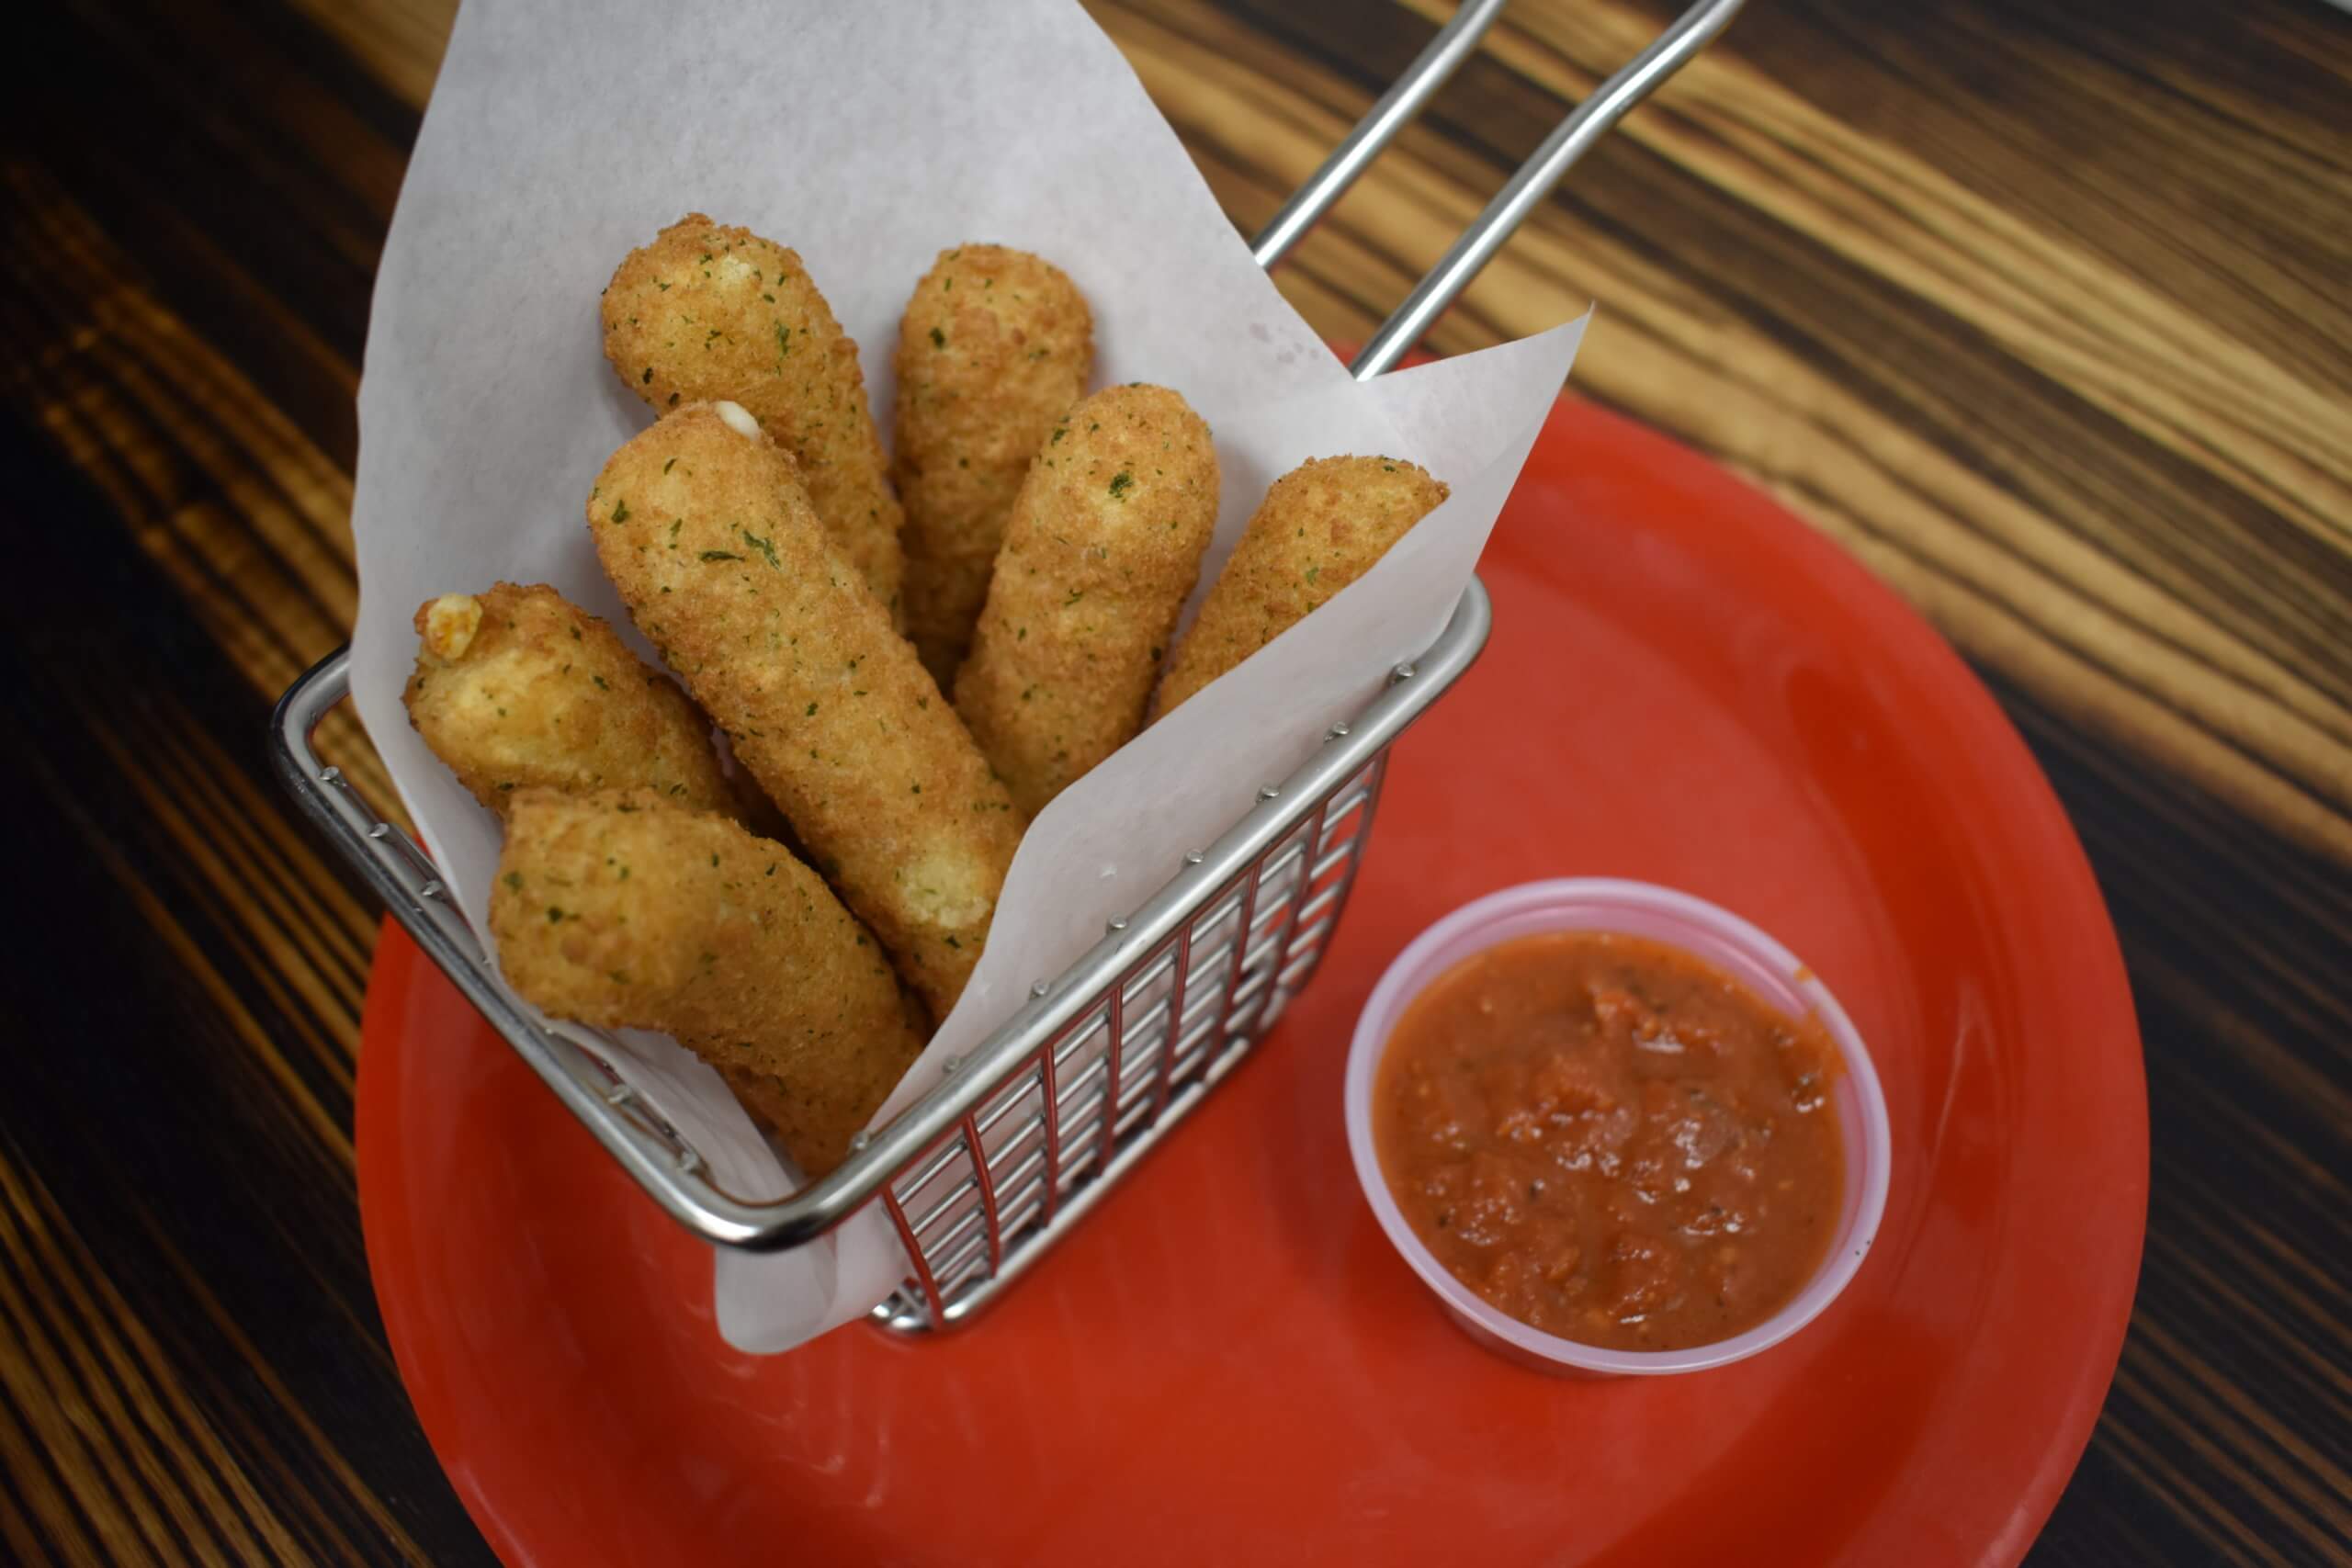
(1699, 929)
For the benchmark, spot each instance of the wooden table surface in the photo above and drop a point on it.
(2040, 309)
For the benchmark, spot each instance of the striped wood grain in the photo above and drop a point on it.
(2035, 308)
(2085, 461)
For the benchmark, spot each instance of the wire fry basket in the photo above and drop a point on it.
(1021, 1138)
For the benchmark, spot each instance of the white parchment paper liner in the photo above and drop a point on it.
(868, 137)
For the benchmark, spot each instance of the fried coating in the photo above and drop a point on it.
(995, 345)
(725, 568)
(707, 313)
(618, 910)
(1321, 526)
(1101, 550)
(518, 688)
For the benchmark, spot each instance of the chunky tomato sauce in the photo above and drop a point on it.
(1611, 1141)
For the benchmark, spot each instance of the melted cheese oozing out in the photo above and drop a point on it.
(450, 625)
(739, 418)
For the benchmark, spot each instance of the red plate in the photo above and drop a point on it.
(1686, 684)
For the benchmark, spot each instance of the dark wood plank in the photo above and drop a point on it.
(190, 1296)
(2036, 309)
(2228, 1437)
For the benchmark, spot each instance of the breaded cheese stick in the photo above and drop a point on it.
(1321, 526)
(617, 910)
(518, 688)
(706, 312)
(707, 532)
(1101, 550)
(994, 346)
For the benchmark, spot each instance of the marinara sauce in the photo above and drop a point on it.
(1612, 1141)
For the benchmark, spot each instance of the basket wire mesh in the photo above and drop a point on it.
(1018, 1140)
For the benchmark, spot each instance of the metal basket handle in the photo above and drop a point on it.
(1521, 194)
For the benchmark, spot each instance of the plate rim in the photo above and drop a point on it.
(386, 1223)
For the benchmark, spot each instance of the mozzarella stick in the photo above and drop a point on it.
(1101, 550)
(995, 345)
(1321, 526)
(706, 312)
(701, 523)
(619, 910)
(518, 688)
